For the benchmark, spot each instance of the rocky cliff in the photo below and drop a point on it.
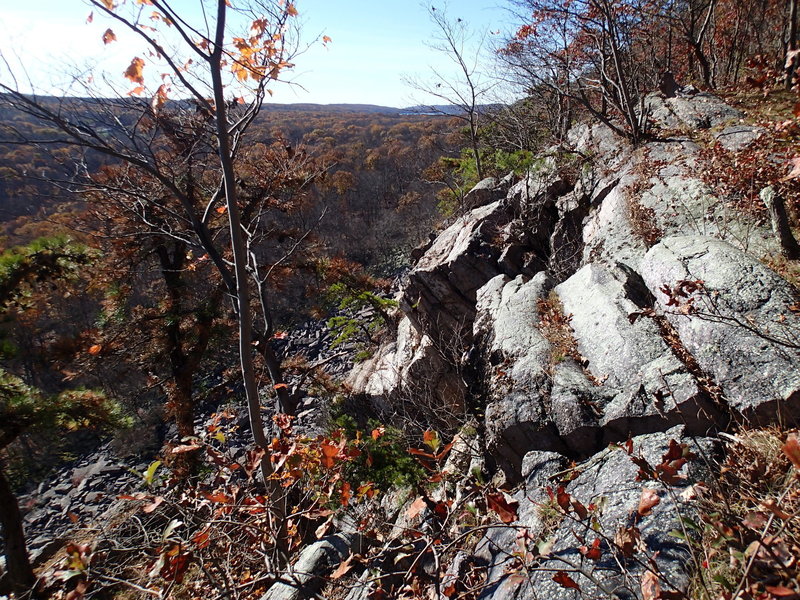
(607, 296)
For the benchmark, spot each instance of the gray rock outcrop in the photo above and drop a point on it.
(735, 319)
(608, 488)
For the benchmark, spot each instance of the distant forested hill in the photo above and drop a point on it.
(373, 158)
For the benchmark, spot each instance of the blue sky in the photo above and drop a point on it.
(374, 45)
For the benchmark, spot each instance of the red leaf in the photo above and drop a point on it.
(580, 510)
(284, 422)
(201, 538)
(136, 496)
(505, 509)
(565, 581)
(563, 498)
(346, 494)
(648, 500)
(444, 451)
(592, 552)
(416, 452)
(329, 453)
(780, 591)
(442, 509)
(254, 458)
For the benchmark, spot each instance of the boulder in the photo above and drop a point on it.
(485, 192)
(304, 578)
(692, 111)
(575, 408)
(737, 322)
(409, 371)
(739, 137)
(608, 234)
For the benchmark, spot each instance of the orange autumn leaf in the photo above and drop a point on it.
(109, 36)
(95, 349)
(157, 501)
(218, 497)
(343, 568)
(184, 448)
(160, 99)
(648, 500)
(329, 453)
(326, 39)
(134, 71)
(109, 4)
(416, 507)
(291, 10)
(346, 494)
(792, 450)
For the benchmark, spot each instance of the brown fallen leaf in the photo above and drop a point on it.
(648, 501)
(416, 507)
(650, 586)
(506, 509)
(343, 568)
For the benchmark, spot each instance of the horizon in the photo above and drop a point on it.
(372, 49)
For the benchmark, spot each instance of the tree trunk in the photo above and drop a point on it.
(780, 223)
(791, 45)
(242, 289)
(181, 400)
(19, 573)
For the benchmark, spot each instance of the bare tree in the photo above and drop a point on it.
(218, 66)
(587, 52)
(468, 88)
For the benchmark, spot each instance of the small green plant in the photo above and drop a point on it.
(385, 459)
(352, 326)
